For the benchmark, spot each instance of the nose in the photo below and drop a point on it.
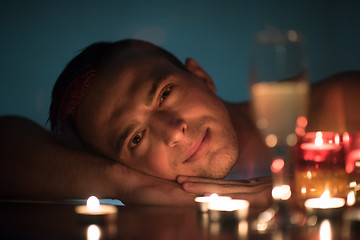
(171, 127)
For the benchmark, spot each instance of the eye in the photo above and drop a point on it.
(136, 140)
(165, 93)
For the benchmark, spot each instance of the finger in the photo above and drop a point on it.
(201, 188)
(183, 179)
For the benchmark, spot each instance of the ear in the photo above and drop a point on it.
(195, 69)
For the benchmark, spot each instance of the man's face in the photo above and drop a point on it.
(159, 119)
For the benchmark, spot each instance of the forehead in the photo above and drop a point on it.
(128, 74)
(132, 76)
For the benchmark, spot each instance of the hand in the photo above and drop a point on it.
(257, 191)
(143, 189)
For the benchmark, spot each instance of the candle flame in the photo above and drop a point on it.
(93, 203)
(309, 175)
(325, 195)
(318, 139)
(214, 195)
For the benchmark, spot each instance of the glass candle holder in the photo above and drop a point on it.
(352, 152)
(351, 142)
(320, 166)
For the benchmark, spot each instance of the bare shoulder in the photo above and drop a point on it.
(335, 103)
(16, 126)
(13, 120)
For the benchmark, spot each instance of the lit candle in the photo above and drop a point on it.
(320, 166)
(232, 209)
(319, 149)
(203, 202)
(94, 211)
(325, 201)
(324, 205)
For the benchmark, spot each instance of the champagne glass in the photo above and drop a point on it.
(279, 97)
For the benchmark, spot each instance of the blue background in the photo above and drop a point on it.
(38, 38)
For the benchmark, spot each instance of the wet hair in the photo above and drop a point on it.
(72, 84)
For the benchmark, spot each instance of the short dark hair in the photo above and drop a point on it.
(92, 58)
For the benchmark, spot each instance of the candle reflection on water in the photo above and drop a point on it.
(243, 229)
(229, 210)
(93, 232)
(325, 230)
(265, 219)
(223, 214)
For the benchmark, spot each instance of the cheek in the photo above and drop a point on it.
(158, 163)
(202, 102)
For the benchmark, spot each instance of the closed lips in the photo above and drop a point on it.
(199, 148)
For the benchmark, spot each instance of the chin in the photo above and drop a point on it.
(222, 169)
(223, 164)
(217, 175)
(220, 173)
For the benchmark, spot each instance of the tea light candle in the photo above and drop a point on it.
(94, 211)
(232, 209)
(325, 205)
(317, 150)
(203, 202)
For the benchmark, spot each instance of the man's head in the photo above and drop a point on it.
(139, 105)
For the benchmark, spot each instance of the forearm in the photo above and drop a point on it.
(35, 165)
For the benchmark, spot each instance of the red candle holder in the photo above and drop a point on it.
(352, 152)
(321, 147)
(320, 166)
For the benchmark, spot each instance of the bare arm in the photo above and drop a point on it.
(335, 103)
(35, 165)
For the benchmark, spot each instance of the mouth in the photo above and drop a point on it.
(199, 149)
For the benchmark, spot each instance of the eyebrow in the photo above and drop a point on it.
(154, 88)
